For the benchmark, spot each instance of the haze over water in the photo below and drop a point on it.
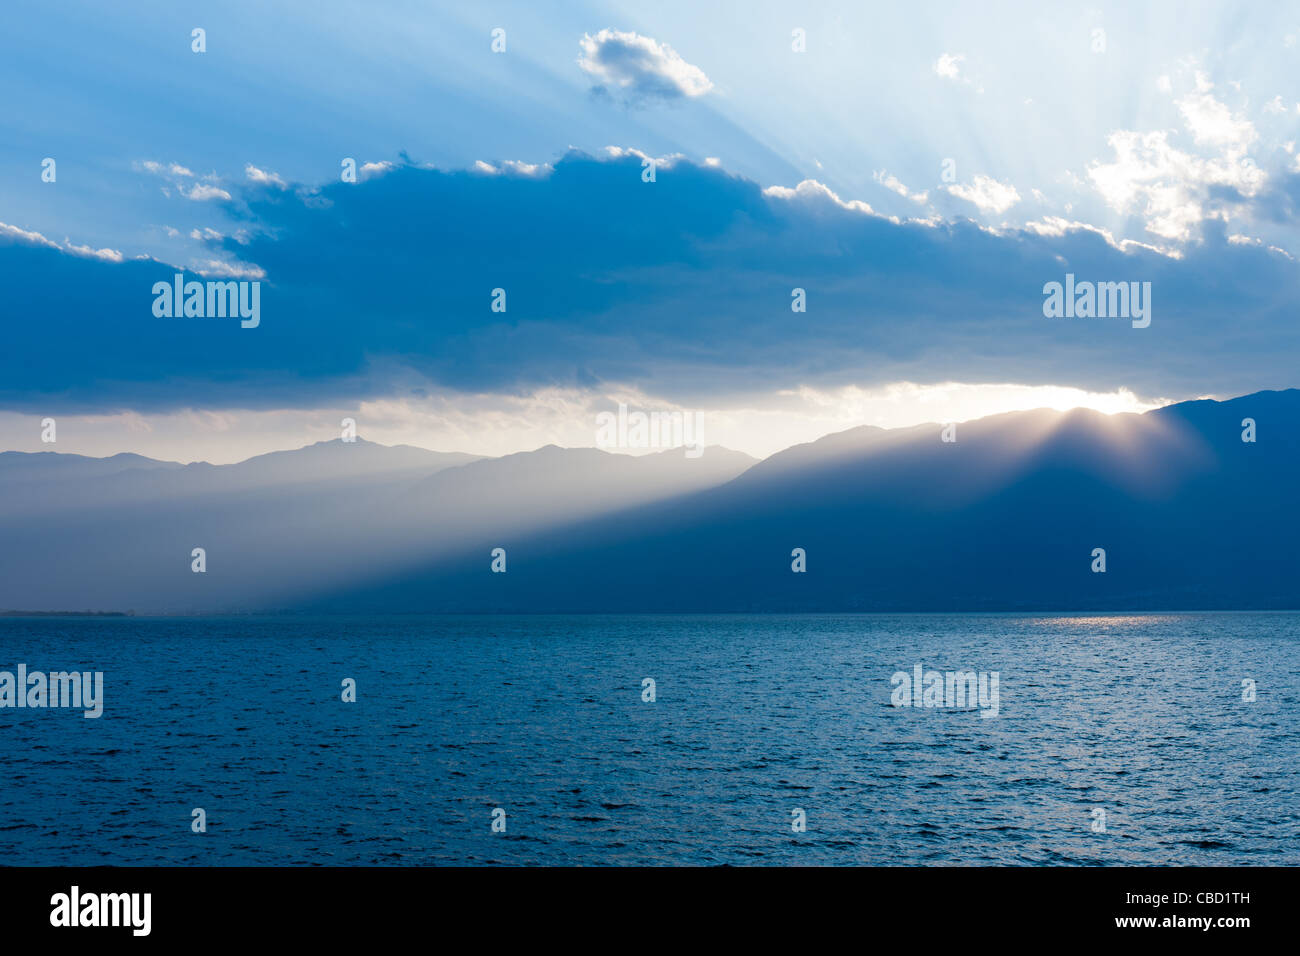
(1142, 716)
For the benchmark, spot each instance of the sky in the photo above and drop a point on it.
(921, 172)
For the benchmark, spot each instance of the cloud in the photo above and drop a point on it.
(635, 69)
(949, 65)
(987, 193)
(1174, 189)
(201, 192)
(1165, 185)
(13, 233)
(216, 268)
(178, 178)
(382, 289)
(512, 167)
(893, 184)
(814, 194)
(1057, 226)
(105, 255)
(170, 169)
(1213, 123)
(263, 177)
(374, 169)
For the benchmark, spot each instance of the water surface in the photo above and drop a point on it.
(1141, 716)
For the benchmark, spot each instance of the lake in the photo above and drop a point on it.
(1126, 739)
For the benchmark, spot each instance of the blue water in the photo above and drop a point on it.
(1141, 716)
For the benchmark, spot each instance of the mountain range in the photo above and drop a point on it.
(1006, 516)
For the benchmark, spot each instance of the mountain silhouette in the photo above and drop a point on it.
(280, 529)
(1006, 517)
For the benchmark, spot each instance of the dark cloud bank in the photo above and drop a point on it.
(682, 286)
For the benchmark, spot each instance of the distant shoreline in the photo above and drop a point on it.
(67, 613)
(317, 614)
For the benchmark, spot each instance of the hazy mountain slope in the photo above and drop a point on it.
(19, 466)
(1006, 517)
(280, 528)
(47, 481)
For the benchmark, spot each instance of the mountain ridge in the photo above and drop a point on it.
(1005, 517)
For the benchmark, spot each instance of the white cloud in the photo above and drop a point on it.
(374, 169)
(636, 69)
(175, 174)
(1171, 187)
(37, 239)
(104, 255)
(204, 191)
(515, 167)
(949, 65)
(170, 169)
(811, 189)
(1237, 239)
(1211, 122)
(893, 184)
(263, 177)
(529, 170)
(987, 193)
(216, 268)
(661, 162)
(1057, 226)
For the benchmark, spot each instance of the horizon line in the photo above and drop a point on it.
(658, 451)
